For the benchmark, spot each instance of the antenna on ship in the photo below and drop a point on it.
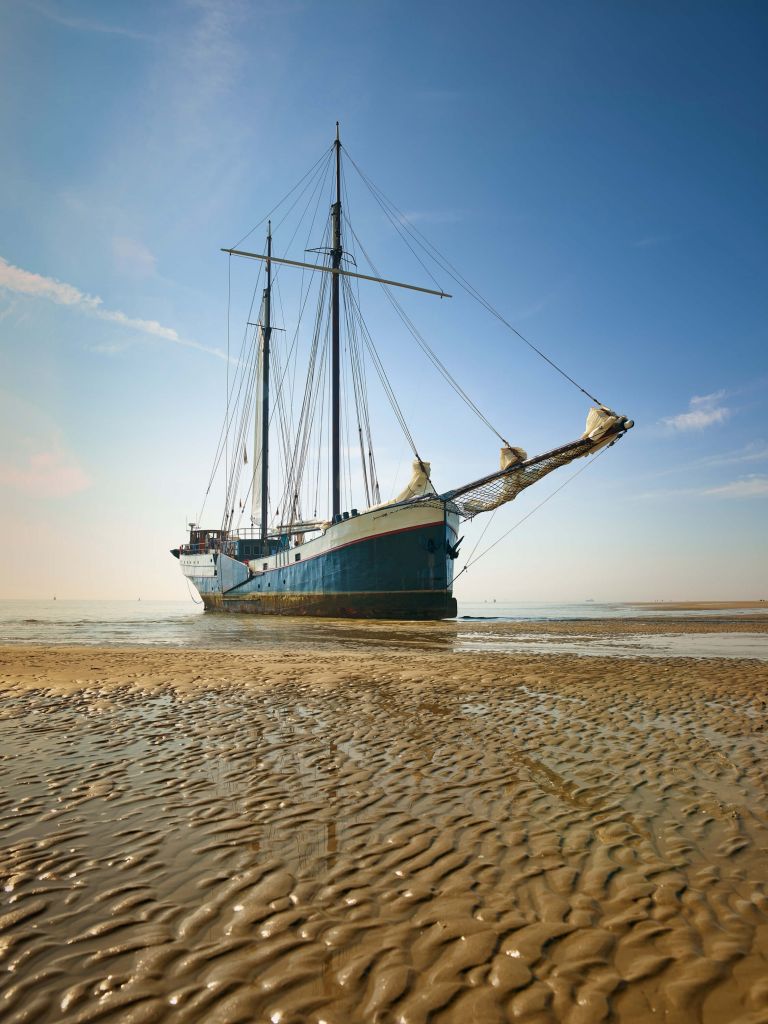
(336, 254)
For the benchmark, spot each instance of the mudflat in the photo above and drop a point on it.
(693, 606)
(381, 834)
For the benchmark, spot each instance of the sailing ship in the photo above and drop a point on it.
(388, 559)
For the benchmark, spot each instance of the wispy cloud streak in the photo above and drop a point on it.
(85, 24)
(753, 486)
(652, 240)
(35, 458)
(52, 473)
(132, 257)
(432, 216)
(703, 411)
(25, 282)
(756, 451)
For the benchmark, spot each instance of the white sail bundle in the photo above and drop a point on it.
(518, 471)
(420, 485)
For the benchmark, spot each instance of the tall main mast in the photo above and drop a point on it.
(260, 496)
(336, 253)
(265, 393)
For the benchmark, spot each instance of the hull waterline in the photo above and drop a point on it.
(414, 605)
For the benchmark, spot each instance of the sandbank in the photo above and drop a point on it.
(695, 606)
(381, 834)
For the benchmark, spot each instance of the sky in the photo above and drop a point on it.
(597, 170)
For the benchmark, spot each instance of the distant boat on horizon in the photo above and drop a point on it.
(372, 558)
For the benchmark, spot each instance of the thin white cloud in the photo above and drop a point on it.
(108, 349)
(25, 282)
(133, 257)
(651, 240)
(9, 310)
(36, 458)
(438, 95)
(85, 24)
(49, 473)
(703, 411)
(197, 76)
(753, 486)
(432, 216)
(755, 451)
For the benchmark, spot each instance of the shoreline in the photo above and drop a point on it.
(231, 634)
(73, 667)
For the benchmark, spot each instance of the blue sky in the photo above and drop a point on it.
(596, 169)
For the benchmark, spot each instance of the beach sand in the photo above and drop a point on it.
(383, 835)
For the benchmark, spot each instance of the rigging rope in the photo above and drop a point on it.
(472, 561)
(444, 263)
(379, 366)
(326, 155)
(426, 348)
(296, 446)
(248, 368)
(220, 444)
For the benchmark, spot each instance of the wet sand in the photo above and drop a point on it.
(381, 834)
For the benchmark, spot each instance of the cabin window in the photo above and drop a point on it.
(297, 557)
(264, 565)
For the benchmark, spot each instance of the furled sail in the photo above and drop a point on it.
(518, 471)
(420, 485)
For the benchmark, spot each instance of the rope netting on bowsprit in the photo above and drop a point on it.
(518, 471)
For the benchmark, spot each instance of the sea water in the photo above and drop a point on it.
(480, 627)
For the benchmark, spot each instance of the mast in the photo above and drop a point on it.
(266, 333)
(260, 485)
(336, 252)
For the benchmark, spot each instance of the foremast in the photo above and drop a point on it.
(260, 502)
(260, 485)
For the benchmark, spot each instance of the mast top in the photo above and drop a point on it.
(337, 134)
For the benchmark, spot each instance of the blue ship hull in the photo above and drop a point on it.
(392, 571)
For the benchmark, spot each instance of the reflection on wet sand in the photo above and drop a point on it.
(279, 835)
(743, 636)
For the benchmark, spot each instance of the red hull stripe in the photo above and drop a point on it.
(349, 544)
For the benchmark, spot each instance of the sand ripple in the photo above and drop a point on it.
(280, 837)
